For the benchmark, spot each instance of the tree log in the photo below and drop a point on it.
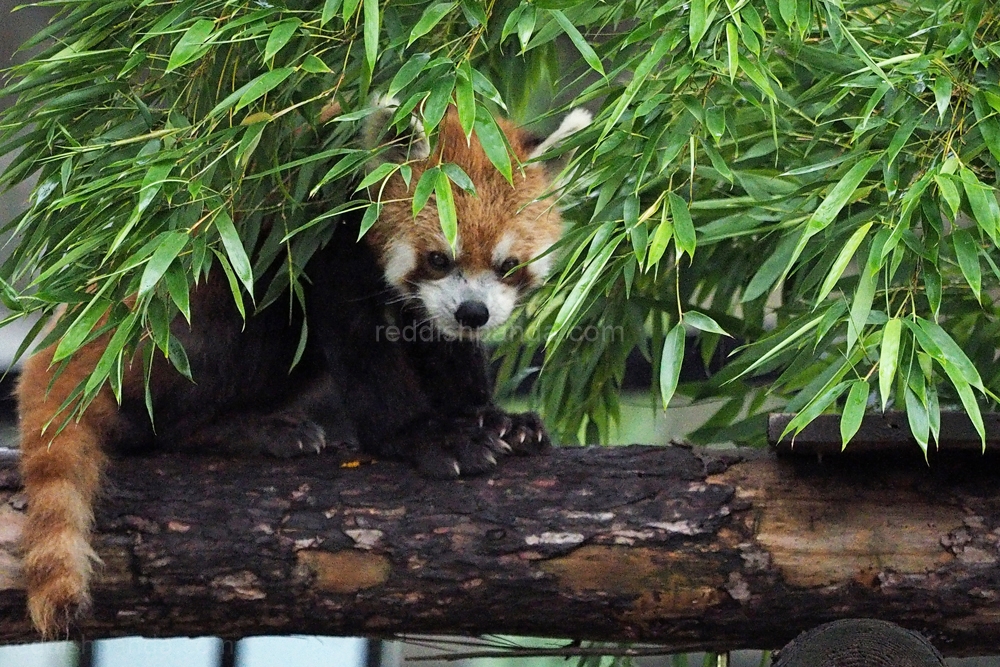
(691, 549)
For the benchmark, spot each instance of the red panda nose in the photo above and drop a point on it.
(472, 314)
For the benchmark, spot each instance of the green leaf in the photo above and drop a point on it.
(888, 358)
(280, 35)
(815, 408)
(425, 186)
(446, 208)
(330, 8)
(916, 415)
(430, 18)
(169, 246)
(493, 142)
(465, 99)
(371, 31)
(408, 72)
(152, 182)
(370, 217)
(843, 260)
(581, 290)
(438, 101)
(854, 411)
(683, 225)
(982, 201)
(783, 345)
(732, 51)
(942, 347)
(262, 85)
(192, 44)
(670, 362)
(900, 138)
(178, 357)
(949, 192)
(703, 323)
(81, 327)
(234, 248)
(377, 175)
(234, 286)
(661, 239)
(758, 77)
(349, 8)
(698, 22)
(179, 290)
(315, 65)
(967, 252)
(841, 193)
(861, 306)
(942, 94)
(459, 177)
(585, 49)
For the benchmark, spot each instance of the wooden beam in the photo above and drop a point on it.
(687, 548)
(888, 432)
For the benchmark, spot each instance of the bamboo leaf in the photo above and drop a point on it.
(703, 322)
(234, 248)
(854, 411)
(670, 362)
(280, 35)
(840, 194)
(916, 415)
(815, 408)
(192, 44)
(371, 32)
(465, 99)
(262, 85)
(169, 246)
(430, 18)
(446, 208)
(843, 259)
(683, 225)
(732, 51)
(493, 142)
(424, 189)
(942, 94)
(585, 49)
(967, 252)
(888, 358)
(698, 23)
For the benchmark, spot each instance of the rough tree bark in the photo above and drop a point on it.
(670, 545)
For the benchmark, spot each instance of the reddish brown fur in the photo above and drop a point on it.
(496, 209)
(62, 470)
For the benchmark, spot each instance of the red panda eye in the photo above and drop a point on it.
(439, 261)
(508, 265)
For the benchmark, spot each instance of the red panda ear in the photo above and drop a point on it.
(575, 120)
(401, 146)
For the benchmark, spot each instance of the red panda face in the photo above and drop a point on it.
(503, 232)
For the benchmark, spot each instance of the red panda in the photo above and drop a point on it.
(393, 362)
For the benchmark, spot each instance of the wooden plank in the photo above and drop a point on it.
(889, 432)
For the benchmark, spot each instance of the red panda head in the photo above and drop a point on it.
(504, 230)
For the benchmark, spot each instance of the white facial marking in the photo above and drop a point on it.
(540, 268)
(373, 125)
(441, 298)
(502, 249)
(400, 260)
(575, 120)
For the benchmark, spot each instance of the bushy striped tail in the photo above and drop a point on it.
(61, 470)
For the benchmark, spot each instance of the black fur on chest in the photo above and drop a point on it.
(371, 370)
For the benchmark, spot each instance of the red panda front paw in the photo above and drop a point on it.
(473, 445)
(527, 435)
(285, 438)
